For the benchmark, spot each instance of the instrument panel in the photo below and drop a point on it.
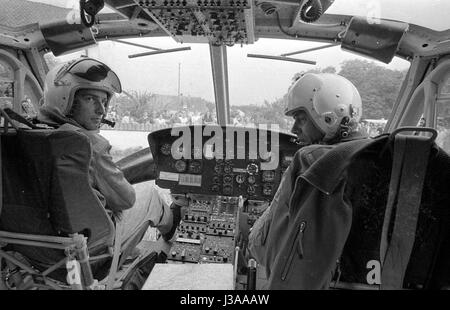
(221, 160)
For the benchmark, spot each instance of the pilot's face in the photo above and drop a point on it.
(90, 107)
(305, 129)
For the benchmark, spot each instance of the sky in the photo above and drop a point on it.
(251, 80)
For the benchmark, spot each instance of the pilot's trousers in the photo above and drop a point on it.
(152, 207)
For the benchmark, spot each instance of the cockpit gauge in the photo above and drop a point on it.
(215, 188)
(195, 166)
(240, 178)
(268, 176)
(180, 165)
(251, 179)
(267, 189)
(218, 168)
(228, 179)
(251, 190)
(228, 189)
(166, 149)
(228, 168)
(252, 168)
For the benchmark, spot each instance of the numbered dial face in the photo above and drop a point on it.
(180, 165)
(252, 168)
(251, 179)
(165, 149)
(268, 176)
(195, 166)
(240, 178)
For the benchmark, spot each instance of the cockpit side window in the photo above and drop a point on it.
(19, 89)
(443, 115)
(6, 84)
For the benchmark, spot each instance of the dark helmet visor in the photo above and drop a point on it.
(94, 71)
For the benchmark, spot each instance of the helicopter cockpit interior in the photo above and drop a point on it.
(230, 173)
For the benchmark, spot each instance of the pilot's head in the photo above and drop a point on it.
(326, 108)
(79, 90)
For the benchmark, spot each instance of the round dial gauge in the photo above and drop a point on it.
(165, 149)
(180, 165)
(228, 179)
(195, 166)
(228, 168)
(228, 190)
(251, 179)
(268, 176)
(218, 168)
(252, 168)
(267, 189)
(240, 178)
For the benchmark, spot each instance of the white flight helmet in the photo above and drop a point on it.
(64, 80)
(332, 102)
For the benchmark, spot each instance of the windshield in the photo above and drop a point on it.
(426, 13)
(177, 88)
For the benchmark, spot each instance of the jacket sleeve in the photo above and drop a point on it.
(109, 179)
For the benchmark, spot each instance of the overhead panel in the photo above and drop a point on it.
(218, 22)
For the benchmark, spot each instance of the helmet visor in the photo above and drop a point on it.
(95, 71)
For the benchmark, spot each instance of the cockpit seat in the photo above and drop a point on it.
(368, 186)
(47, 200)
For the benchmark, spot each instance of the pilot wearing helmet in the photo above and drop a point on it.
(76, 97)
(326, 108)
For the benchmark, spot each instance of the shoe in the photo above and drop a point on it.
(176, 212)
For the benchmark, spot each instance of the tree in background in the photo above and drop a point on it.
(378, 86)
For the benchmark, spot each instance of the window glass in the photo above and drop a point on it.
(6, 85)
(443, 116)
(6, 94)
(6, 71)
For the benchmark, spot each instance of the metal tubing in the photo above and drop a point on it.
(310, 49)
(82, 255)
(309, 62)
(160, 52)
(34, 243)
(43, 238)
(135, 44)
(17, 262)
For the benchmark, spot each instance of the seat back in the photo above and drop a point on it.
(46, 191)
(368, 189)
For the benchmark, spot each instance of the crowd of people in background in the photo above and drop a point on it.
(156, 120)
